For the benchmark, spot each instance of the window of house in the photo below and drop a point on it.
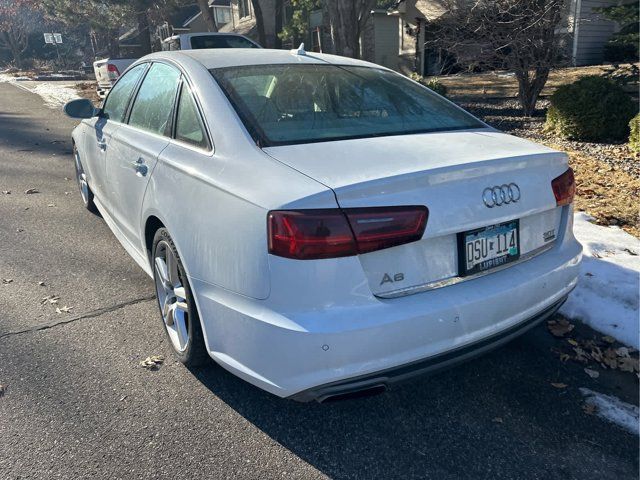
(243, 8)
(153, 105)
(222, 15)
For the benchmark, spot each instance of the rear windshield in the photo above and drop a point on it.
(290, 104)
(220, 41)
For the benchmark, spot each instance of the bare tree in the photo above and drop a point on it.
(519, 35)
(207, 15)
(347, 19)
(16, 17)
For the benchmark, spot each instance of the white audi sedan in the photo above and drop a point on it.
(320, 226)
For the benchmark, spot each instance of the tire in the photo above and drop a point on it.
(85, 191)
(178, 309)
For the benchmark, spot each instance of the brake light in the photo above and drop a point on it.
(332, 233)
(564, 188)
(111, 68)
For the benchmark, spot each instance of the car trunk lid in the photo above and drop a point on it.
(447, 173)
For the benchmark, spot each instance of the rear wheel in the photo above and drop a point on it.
(83, 185)
(175, 300)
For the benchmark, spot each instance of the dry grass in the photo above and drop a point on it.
(88, 90)
(607, 193)
(504, 85)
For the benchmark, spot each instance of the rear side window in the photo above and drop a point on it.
(189, 127)
(154, 103)
(116, 103)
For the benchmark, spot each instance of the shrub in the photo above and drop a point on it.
(615, 52)
(431, 83)
(591, 108)
(634, 138)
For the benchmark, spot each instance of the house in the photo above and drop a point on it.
(188, 19)
(587, 31)
(379, 40)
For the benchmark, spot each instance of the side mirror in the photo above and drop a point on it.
(80, 108)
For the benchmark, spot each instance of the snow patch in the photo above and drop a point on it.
(54, 94)
(608, 290)
(614, 410)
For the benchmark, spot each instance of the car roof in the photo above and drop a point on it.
(204, 34)
(233, 57)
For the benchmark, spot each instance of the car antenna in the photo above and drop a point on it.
(300, 50)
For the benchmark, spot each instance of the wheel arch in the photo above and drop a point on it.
(151, 226)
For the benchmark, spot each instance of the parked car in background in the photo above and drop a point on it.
(198, 41)
(107, 71)
(322, 226)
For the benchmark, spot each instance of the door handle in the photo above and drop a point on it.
(140, 168)
(102, 146)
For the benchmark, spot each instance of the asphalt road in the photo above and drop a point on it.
(78, 405)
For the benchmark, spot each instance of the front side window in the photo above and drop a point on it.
(189, 127)
(220, 41)
(293, 103)
(153, 105)
(116, 103)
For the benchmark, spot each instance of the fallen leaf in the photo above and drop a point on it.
(7, 281)
(559, 328)
(152, 362)
(572, 342)
(608, 339)
(592, 373)
(51, 205)
(497, 420)
(589, 408)
(31, 191)
(559, 385)
(581, 355)
(42, 284)
(628, 364)
(64, 309)
(622, 352)
(52, 299)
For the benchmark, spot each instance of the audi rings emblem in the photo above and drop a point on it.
(501, 195)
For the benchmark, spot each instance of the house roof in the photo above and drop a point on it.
(184, 15)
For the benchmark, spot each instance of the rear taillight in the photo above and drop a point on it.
(332, 233)
(111, 68)
(564, 188)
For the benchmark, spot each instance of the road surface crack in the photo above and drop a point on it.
(91, 314)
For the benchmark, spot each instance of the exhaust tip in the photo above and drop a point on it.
(355, 394)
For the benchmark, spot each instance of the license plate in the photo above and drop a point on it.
(488, 247)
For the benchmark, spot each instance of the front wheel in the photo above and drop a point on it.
(177, 307)
(83, 185)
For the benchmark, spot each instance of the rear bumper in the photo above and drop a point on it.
(306, 352)
(451, 358)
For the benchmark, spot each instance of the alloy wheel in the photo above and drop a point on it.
(81, 177)
(171, 296)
